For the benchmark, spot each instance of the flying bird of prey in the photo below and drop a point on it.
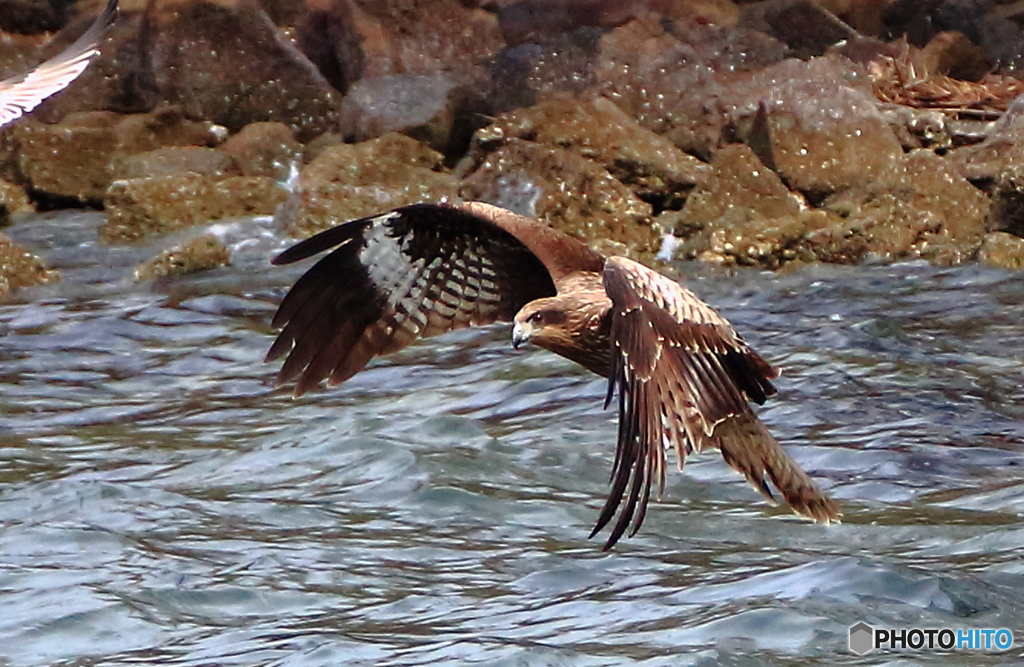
(684, 376)
(23, 93)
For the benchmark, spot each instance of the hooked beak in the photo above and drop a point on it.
(520, 334)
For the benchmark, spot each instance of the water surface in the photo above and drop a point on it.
(162, 503)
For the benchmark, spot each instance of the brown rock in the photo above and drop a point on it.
(568, 192)
(171, 160)
(926, 210)
(743, 213)
(200, 254)
(952, 54)
(657, 79)
(824, 135)
(525, 21)
(1003, 251)
(31, 16)
(65, 160)
(12, 200)
(723, 13)
(165, 126)
(594, 127)
(20, 268)
(139, 207)
(686, 88)
(262, 149)
(435, 108)
(739, 181)
(351, 181)
(997, 164)
(561, 62)
(864, 16)
(1000, 150)
(352, 39)
(806, 27)
(222, 62)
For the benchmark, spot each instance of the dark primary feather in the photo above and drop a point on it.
(23, 93)
(415, 272)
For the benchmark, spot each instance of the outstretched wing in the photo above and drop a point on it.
(685, 378)
(415, 272)
(23, 93)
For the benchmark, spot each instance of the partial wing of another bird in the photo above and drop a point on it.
(415, 272)
(685, 378)
(23, 93)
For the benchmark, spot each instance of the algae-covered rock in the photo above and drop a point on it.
(200, 254)
(20, 268)
(138, 207)
(350, 181)
(1002, 250)
(569, 192)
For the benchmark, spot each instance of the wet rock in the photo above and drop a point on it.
(824, 134)
(562, 62)
(139, 207)
(729, 49)
(226, 63)
(262, 149)
(595, 128)
(996, 165)
(200, 254)
(171, 160)
(985, 162)
(685, 88)
(31, 16)
(12, 200)
(19, 54)
(540, 20)
(722, 13)
(1003, 251)
(806, 27)
(864, 16)
(20, 268)
(952, 54)
(66, 161)
(351, 181)
(927, 209)
(739, 181)
(435, 108)
(919, 128)
(743, 213)
(165, 126)
(567, 191)
(352, 39)
(662, 83)
(921, 20)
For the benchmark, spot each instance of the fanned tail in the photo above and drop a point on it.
(750, 449)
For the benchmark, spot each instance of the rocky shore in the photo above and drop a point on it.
(757, 133)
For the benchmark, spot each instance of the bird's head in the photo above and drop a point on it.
(541, 321)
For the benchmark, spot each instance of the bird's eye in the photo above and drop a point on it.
(536, 318)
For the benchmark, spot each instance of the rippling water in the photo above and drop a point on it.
(162, 503)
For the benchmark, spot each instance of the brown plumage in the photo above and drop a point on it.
(23, 93)
(684, 376)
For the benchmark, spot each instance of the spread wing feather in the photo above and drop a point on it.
(684, 379)
(21, 94)
(415, 272)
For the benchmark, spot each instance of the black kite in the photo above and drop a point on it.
(684, 376)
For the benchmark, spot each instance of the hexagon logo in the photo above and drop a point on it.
(862, 638)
